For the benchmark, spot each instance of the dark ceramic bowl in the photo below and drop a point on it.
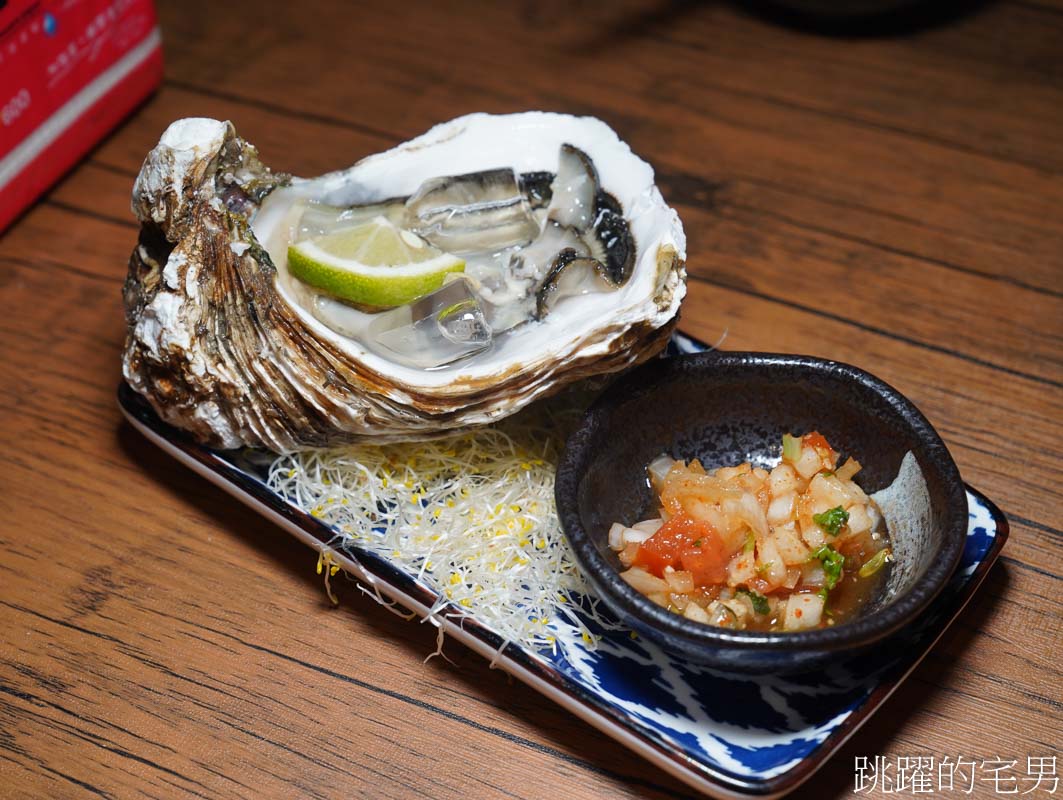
(725, 408)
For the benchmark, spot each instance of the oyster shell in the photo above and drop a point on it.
(225, 344)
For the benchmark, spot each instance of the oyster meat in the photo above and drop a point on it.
(573, 267)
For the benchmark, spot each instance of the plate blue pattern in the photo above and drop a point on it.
(724, 734)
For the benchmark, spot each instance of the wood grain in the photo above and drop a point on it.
(892, 202)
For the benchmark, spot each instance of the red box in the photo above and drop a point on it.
(70, 70)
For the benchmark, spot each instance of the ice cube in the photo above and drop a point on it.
(464, 323)
(434, 330)
(474, 213)
(320, 219)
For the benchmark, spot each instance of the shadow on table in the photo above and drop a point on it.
(227, 514)
(861, 18)
(834, 18)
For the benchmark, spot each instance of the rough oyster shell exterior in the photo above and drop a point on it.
(220, 348)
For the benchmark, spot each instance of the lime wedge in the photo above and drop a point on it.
(373, 264)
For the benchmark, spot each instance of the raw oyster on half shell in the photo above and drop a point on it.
(574, 267)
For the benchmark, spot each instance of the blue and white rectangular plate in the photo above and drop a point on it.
(726, 735)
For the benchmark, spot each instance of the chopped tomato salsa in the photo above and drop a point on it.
(796, 547)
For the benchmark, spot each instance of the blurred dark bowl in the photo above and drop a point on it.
(848, 8)
(860, 18)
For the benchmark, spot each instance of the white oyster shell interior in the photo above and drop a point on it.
(582, 325)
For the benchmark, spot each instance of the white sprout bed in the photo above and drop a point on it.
(471, 515)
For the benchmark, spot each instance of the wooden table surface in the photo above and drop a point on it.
(893, 202)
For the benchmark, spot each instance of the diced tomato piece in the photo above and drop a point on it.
(666, 547)
(685, 543)
(663, 548)
(816, 440)
(706, 559)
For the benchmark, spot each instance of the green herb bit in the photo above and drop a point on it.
(751, 542)
(760, 602)
(832, 562)
(765, 568)
(833, 520)
(791, 447)
(823, 593)
(697, 542)
(827, 473)
(875, 563)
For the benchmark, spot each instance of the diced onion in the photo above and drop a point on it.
(803, 611)
(811, 532)
(809, 463)
(659, 468)
(620, 536)
(790, 546)
(876, 516)
(793, 577)
(753, 514)
(711, 515)
(660, 598)
(644, 582)
(684, 486)
(783, 480)
(627, 555)
(681, 581)
(771, 567)
(829, 491)
(635, 536)
(730, 473)
(859, 519)
(680, 601)
(741, 607)
(742, 570)
(720, 614)
(651, 526)
(696, 613)
(846, 471)
(855, 492)
(780, 509)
